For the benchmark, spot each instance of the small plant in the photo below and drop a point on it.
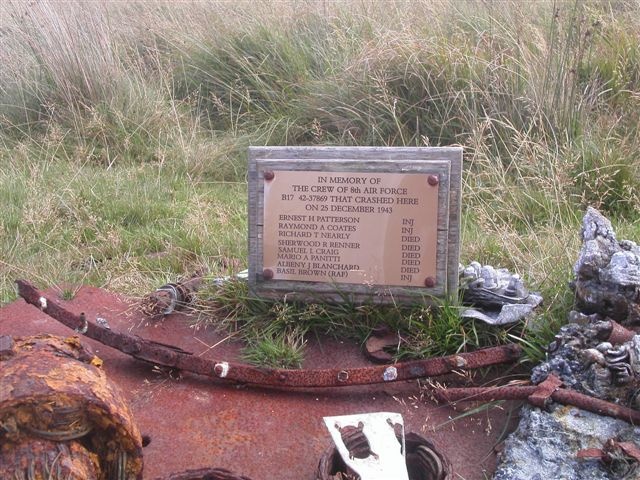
(440, 330)
(68, 293)
(278, 351)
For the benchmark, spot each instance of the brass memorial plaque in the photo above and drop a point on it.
(351, 227)
(367, 224)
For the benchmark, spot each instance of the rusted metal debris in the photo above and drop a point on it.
(174, 357)
(172, 296)
(541, 397)
(538, 395)
(46, 459)
(423, 460)
(205, 474)
(378, 346)
(619, 334)
(60, 417)
(610, 449)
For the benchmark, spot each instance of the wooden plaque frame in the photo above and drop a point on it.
(444, 162)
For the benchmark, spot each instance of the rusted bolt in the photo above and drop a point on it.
(433, 180)
(221, 369)
(6, 346)
(267, 274)
(269, 175)
(429, 282)
(390, 374)
(343, 376)
(458, 362)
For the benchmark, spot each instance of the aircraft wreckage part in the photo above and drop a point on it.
(424, 462)
(170, 356)
(619, 334)
(60, 417)
(47, 460)
(171, 297)
(205, 474)
(550, 389)
(611, 450)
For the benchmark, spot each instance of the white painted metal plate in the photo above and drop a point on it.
(387, 458)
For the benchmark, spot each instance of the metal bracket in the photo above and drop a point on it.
(370, 445)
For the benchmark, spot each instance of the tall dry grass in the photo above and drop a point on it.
(544, 96)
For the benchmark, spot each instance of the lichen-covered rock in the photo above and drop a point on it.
(583, 358)
(586, 357)
(607, 272)
(545, 446)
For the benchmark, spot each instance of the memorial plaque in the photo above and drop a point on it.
(376, 224)
(350, 227)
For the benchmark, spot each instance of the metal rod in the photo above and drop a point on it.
(562, 395)
(175, 357)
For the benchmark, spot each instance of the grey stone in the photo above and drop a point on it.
(581, 358)
(607, 272)
(545, 446)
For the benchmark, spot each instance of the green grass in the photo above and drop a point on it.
(127, 228)
(274, 330)
(124, 129)
(280, 351)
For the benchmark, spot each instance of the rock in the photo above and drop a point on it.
(585, 361)
(607, 272)
(589, 355)
(545, 445)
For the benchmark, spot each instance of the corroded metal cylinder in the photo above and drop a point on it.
(424, 462)
(205, 474)
(32, 458)
(60, 417)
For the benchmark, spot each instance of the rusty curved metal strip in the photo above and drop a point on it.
(175, 357)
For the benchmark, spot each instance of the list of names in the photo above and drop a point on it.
(351, 227)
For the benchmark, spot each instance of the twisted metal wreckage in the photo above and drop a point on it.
(174, 357)
(62, 418)
(422, 459)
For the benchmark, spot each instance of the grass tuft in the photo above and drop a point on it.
(281, 351)
(275, 329)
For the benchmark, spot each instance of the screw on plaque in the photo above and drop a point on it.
(433, 180)
(269, 175)
(267, 274)
(429, 282)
